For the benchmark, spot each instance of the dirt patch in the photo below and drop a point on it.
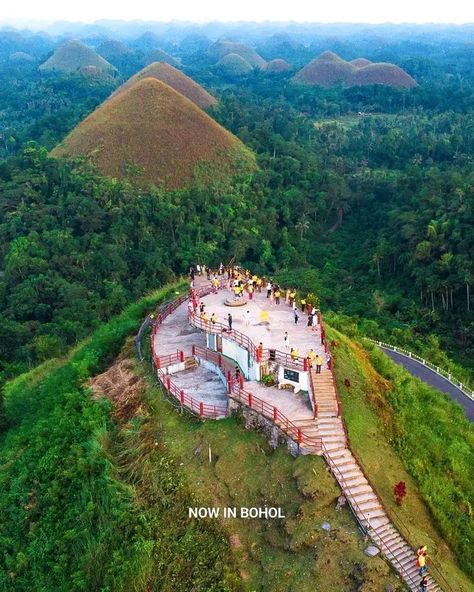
(122, 387)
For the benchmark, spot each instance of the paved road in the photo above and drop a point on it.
(435, 380)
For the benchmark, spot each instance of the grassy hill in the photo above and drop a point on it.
(149, 133)
(73, 56)
(277, 65)
(232, 64)
(174, 78)
(99, 470)
(112, 48)
(159, 55)
(329, 69)
(222, 48)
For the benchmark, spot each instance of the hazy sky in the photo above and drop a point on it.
(369, 11)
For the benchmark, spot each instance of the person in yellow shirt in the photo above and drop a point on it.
(311, 357)
(205, 318)
(259, 284)
(213, 318)
(292, 297)
(303, 304)
(319, 363)
(277, 296)
(294, 353)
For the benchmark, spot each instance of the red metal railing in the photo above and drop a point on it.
(237, 393)
(195, 406)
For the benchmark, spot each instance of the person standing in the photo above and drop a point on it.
(260, 352)
(269, 289)
(229, 321)
(303, 304)
(294, 353)
(277, 296)
(319, 363)
(250, 290)
(311, 357)
(247, 318)
(287, 296)
(201, 308)
(292, 297)
(204, 318)
(310, 322)
(286, 340)
(295, 316)
(213, 318)
(421, 560)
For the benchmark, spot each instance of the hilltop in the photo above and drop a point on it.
(222, 48)
(112, 48)
(174, 78)
(151, 133)
(329, 69)
(233, 64)
(159, 55)
(277, 65)
(73, 56)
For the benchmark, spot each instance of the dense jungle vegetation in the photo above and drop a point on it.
(363, 195)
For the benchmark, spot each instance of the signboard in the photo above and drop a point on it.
(291, 375)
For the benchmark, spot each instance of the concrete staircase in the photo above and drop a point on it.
(368, 509)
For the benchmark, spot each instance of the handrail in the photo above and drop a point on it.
(358, 512)
(283, 358)
(440, 371)
(199, 407)
(434, 566)
(239, 394)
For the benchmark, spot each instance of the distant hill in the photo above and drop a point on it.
(151, 133)
(73, 56)
(277, 65)
(159, 55)
(329, 69)
(381, 73)
(112, 48)
(20, 57)
(233, 64)
(326, 70)
(174, 78)
(222, 48)
(360, 62)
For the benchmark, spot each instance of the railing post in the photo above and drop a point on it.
(157, 361)
(300, 436)
(275, 413)
(181, 397)
(181, 356)
(193, 349)
(250, 398)
(201, 408)
(241, 381)
(219, 361)
(168, 383)
(305, 364)
(315, 413)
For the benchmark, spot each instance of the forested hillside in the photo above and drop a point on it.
(372, 187)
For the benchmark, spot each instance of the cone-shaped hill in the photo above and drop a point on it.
(174, 78)
(277, 65)
(326, 70)
(151, 133)
(159, 55)
(74, 56)
(222, 48)
(329, 69)
(112, 49)
(232, 64)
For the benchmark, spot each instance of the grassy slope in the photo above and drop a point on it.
(274, 556)
(403, 430)
(174, 78)
(66, 517)
(74, 55)
(152, 127)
